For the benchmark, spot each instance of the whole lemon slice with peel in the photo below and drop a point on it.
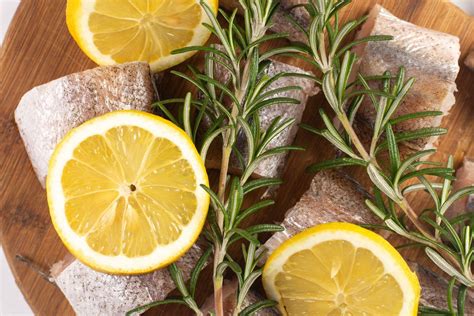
(124, 192)
(340, 269)
(119, 31)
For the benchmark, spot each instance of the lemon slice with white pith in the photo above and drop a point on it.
(124, 192)
(119, 31)
(340, 269)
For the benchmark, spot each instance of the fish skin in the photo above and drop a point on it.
(332, 197)
(429, 56)
(47, 112)
(93, 293)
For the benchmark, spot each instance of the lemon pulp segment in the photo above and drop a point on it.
(344, 280)
(156, 27)
(127, 192)
(340, 269)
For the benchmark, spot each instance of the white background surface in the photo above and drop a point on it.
(12, 302)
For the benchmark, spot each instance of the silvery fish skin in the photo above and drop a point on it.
(229, 291)
(429, 56)
(47, 112)
(273, 166)
(332, 197)
(93, 293)
(281, 20)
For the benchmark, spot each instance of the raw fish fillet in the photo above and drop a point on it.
(229, 295)
(429, 56)
(47, 112)
(273, 166)
(281, 20)
(332, 197)
(93, 293)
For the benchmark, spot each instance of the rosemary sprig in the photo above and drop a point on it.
(232, 108)
(448, 243)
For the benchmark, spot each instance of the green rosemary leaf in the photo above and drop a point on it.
(420, 186)
(187, 115)
(276, 91)
(177, 277)
(244, 234)
(413, 116)
(446, 267)
(142, 308)
(260, 41)
(236, 197)
(248, 136)
(201, 49)
(368, 92)
(276, 127)
(416, 134)
(311, 129)
(265, 103)
(457, 195)
(253, 209)
(260, 183)
(264, 228)
(382, 183)
(461, 301)
(431, 311)
(451, 284)
(400, 95)
(371, 38)
(376, 210)
(255, 307)
(407, 163)
(394, 154)
(194, 82)
(329, 126)
(440, 172)
(221, 86)
(343, 32)
(354, 107)
(222, 267)
(341, 145)
(216, 203)
(336, 163)
(200, 264)
(209, 139)
(331, 97)
(217, 29)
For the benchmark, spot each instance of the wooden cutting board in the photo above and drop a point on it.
(38, 49)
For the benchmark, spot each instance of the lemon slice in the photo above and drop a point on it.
(124, 192)
(340, 269)
(119, 31)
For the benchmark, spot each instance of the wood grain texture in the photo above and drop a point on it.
(38, 49)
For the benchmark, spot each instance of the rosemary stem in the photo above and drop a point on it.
(354, 138)
(219, 249)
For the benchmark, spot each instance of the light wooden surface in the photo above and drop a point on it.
(38, 49)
